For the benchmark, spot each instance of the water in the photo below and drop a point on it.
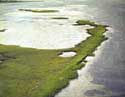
(104, 75)
(39, 30)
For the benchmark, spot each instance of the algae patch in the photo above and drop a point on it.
(39, 11)
(60, 18)
(2, 30)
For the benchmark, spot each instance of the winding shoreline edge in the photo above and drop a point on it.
(55, 83)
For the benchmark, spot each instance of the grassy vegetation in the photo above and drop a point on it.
(42, 73)
(39, 11)
(60, 18)
(85, 22)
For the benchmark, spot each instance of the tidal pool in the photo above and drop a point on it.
(68, 54)
(39, 30)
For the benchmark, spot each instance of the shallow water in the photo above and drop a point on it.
(67, 54)
(39, 30)
(104, 75)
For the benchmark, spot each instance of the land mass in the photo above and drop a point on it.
(29, 72)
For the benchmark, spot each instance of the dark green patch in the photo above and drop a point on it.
(39, 11)
(2, 30)
(85, 22)
(60, 18)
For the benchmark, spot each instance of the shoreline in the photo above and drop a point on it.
(55, 82)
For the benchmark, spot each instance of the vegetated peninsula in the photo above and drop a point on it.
(28, 72)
